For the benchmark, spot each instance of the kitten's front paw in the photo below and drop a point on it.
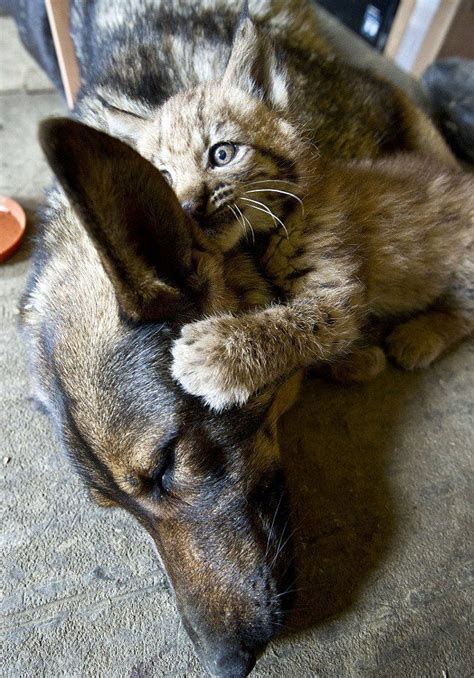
(204, 365)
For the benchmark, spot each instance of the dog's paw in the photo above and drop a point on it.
(364, 364)
(205, 364)
(414, 347)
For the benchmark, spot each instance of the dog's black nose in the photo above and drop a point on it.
(236, 663)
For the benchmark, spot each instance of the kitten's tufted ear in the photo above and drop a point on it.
(253, 66)
(132, 216)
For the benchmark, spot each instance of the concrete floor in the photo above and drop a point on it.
(380, 486)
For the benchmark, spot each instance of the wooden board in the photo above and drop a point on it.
(399, 26)
(58, 15)
(435, 36)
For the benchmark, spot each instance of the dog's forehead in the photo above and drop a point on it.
(127, 407)
(122, 396)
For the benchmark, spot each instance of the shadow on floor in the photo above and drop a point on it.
(337, 445)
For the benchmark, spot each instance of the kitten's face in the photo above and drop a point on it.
(235, 165)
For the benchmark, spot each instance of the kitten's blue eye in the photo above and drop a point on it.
(221, 154)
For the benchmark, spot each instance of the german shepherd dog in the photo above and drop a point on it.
(110, 289)
(119, 268)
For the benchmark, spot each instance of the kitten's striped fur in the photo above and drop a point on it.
(341, 243)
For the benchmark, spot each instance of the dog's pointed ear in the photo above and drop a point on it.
(253, 65)
(131, 214)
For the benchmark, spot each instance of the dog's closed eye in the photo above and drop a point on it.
(161, 479)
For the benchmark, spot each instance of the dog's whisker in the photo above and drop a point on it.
(288, 592)
(282, 543)
(270, 532)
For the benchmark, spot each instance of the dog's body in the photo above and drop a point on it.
(117, 271)
(136, 54)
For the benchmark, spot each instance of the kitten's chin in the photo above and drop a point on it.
(227, 236)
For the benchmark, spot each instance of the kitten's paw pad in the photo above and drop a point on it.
(203, 366)
(361, 365)
(414, 347)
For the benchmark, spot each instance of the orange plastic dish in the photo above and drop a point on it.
(12, 227)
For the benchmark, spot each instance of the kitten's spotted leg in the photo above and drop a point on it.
(226, 359)
(420, 341)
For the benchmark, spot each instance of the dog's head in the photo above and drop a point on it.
(208, 487)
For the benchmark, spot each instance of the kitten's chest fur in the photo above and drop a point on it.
(284, 259)
(285, 256)
(272, 258)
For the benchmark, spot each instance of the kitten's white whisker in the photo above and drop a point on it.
(236, 217)
(242, 223)
(247, 221)
(278, 190)
(250, 224)
(232, 210)
(240, 218)
(267, 210)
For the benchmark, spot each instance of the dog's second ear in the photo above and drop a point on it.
(131, 214)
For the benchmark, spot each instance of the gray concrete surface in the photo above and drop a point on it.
(381, 486)
(18, 71)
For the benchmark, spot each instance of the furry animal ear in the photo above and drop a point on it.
(131, 214)
(253, 66)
